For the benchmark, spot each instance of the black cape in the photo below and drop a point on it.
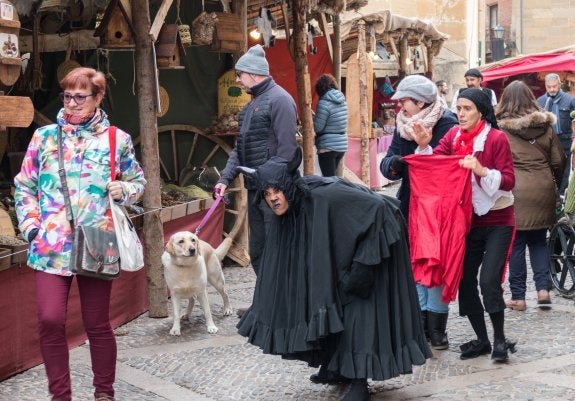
(300, 310)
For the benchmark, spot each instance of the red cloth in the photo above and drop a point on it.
(282, 67)
(440, 211)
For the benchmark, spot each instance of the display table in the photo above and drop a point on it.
(377, 150)
(19, 347)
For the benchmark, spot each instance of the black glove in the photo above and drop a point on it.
(398, 165)
(32, 234)
(358, 280)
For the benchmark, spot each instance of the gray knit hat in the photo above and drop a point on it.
(416, 87)
(254, 62)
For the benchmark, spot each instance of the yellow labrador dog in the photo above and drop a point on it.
(189, 264)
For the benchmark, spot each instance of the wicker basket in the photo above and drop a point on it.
(164, 102)
(185, 35)
(203, 28)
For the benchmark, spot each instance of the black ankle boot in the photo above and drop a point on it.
(500, 348)
(424, 323)
(437, 323)
(474, 348)
(358, 391)
(324, 376)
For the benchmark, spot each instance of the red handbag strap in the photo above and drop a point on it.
(112, 139)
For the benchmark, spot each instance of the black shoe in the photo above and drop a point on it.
(241, 311)
(474, 348)
(358, 391)
(324, 376)
(500, 348)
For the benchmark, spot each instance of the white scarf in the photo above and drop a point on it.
(427, 117)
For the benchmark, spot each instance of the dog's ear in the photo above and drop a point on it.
(170, 246)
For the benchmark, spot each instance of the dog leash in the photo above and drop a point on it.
(209, 214)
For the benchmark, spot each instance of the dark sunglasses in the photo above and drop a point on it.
(239, 73)
(79, 99)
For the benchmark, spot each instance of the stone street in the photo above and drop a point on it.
(197, 366)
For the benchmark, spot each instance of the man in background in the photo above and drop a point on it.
(561, 104)
(267, 128)
(442, 91)
(473, 79)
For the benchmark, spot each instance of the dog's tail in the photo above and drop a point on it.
(223, 248)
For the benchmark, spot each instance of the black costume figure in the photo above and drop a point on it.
(338, 289)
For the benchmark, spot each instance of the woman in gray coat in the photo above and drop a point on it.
(538, 160)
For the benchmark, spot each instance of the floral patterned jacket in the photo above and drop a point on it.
(39, 198)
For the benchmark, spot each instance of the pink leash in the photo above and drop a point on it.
(209, 214)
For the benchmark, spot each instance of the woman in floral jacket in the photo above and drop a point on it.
(42, 219)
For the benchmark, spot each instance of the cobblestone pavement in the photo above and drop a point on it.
(197, 366)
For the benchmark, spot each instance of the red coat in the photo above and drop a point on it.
(439, 219)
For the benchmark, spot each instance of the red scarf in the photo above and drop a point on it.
(76, 119)
(463, 143)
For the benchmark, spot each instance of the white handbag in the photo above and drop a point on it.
(129, 245)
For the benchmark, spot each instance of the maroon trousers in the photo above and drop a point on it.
(52, 301)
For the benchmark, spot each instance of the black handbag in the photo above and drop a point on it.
(94, 251)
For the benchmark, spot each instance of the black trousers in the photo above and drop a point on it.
(566, 143)
(259, 218)
(486, 247)
(328, 162)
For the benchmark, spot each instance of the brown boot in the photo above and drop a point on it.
(103, 397)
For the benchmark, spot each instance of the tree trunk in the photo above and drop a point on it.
(146, 95)
(365, 84)
(299, 39)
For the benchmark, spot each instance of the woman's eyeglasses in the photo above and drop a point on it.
(79, 99)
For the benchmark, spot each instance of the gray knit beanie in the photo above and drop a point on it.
(254, 62)
(416, 87)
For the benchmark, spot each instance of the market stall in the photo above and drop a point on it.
(531, 68)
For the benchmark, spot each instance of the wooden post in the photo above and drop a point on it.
(365, 84)
(240, 8)
(403, 54)
(299, 39)
(429, 67)
(146, 95)
(337, 69)
(337, 49)
(323, 27)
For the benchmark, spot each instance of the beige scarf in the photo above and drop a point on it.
(427, 117)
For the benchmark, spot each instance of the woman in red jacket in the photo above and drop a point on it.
(488, 155)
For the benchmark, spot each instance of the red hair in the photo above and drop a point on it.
(85, 78)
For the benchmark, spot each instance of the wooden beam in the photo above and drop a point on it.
(285, 16)
(16, 111)
(299, 45)
(240, 7)
(323, 27)
(127, 9)
(337, 50)
(365, 84)
(160, 18)
(82, 40)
